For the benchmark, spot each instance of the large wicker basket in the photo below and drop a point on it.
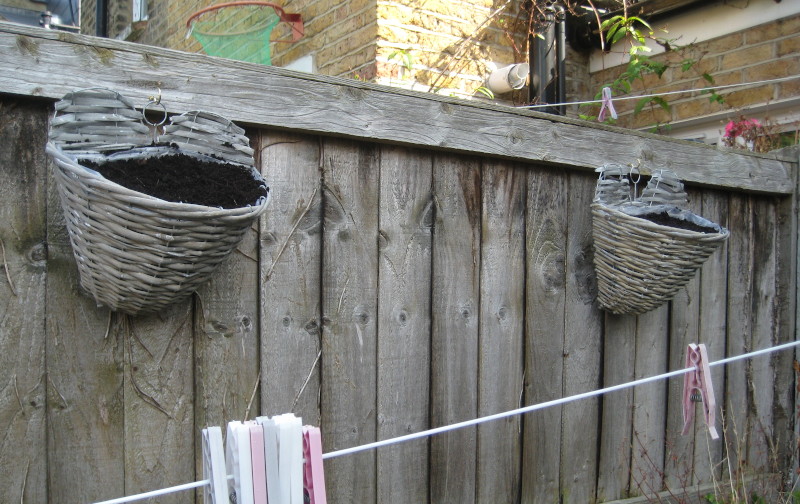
(135, 252)
(641, 264)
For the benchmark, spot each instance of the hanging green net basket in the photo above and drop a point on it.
(242, 30)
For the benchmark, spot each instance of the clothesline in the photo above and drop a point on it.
(666, 93)
(481, 420)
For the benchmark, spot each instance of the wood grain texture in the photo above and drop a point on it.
(684, 328)
(741, 246)
(23, 252)
(583, 336)
(85, 380)
(784, 417)
(616, 442)
(404, 327)
(159, 401)
(546, 245)
(349, 308)
(649, 403)
(290, 259)
(49, 64)
(760, 434)
(501, 336)
(226, 342)
(454, 326)
(708, 453)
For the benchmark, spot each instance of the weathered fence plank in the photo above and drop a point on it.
(454, 325)
(159, 400)
(290, 268)
(545, 297)
(684, 328)
(227, 340)
(501, 334)
(349, 308)
(404, 328)
(583, 335)
(760, 433)
(708, 453)
(85, 381)
(52, 64)
(616, 441)
(23, 252)
(741, 244)
(649, 403)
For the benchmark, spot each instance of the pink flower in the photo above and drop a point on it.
(741, 127)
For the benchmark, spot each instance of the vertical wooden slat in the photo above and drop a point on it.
(708, 453)
(582, 350)
(502, 310)
(649, 402)
(454, 319)
(761, 430)
(684, 329)
(226, 340)
(349, 308)
(619, 358)
(85, 374)
(404, 299)
(159, 414)
(23, 252)
(786, 278)
(290, 258)
(736, 401)
(546, 243)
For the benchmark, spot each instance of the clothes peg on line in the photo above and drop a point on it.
(216, 492)
(695, 382)
(238, 458)
(258, 463)
(313, 475)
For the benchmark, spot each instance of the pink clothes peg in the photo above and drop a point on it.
(607, 105)
(259, 465)
(699, 382)
(313, 475)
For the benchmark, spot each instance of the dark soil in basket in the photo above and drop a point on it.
(184, 179)
(664, 219)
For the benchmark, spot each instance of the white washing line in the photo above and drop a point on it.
(666, 93)
(477, 421)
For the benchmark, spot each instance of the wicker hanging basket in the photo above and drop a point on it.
(646, 246)
(136, 252)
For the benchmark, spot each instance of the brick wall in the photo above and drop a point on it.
(342, 36)
(767, 51)
(453, 44)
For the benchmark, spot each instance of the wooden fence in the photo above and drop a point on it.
(424, 261)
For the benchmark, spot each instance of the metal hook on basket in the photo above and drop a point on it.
(634, 170)
(155, 101)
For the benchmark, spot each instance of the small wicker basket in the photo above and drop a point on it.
(641, 264)
(135, 252)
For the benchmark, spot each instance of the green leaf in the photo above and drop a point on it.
(486, 92)
(708, 78)
(641, 104)
(687, 64)
(661, 102)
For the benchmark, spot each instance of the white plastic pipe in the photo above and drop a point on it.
(508, 78)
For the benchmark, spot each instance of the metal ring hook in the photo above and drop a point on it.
(155, 101)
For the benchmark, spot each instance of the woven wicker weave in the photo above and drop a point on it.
(641, 265)
(135, 253)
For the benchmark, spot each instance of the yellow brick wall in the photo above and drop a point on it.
(764, 52)
(342, 36)
(453, 44)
